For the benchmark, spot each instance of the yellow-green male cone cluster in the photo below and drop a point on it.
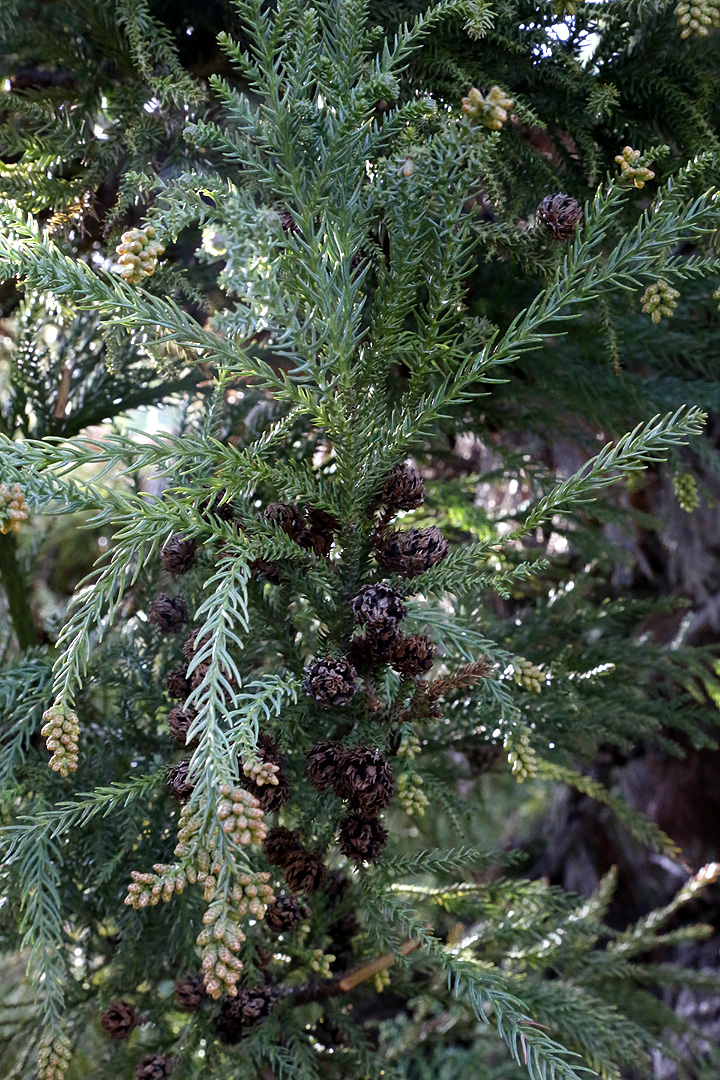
(13, 508)
(410, 794)
(659, 299)
(138, 251)
(491, 110)
(527, 674)
(686, 491)
(520, 754)
(630, 171)
(697, 16)
(61, 731)
(53, 1057)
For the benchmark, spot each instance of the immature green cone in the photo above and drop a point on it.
(138, 251)
(630, 171)
(410, 794)
(659, 299)
(686, 491)
(491, 111)
(62, 732)
(13, 508)
(53, 1057)
(697, 17)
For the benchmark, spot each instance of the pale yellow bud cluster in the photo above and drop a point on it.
(630, 171)
(138, 252)
(410, 794)
(53, 1057)
(527, 674)
(381, 979)
(686, 491)
(410, 747)
(220, 938)
(697, 17)
(252, 894)
(320, 963)
(241, 816)
(521, 756)
(659, 299)
(262, 772)
(13, 508)
(147, 890)
(61, 731)
(491, 110)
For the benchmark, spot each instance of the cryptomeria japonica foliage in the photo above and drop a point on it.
(235, 842)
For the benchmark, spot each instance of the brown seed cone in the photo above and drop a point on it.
(168, 613)
(179, 721)
(288, 516)
(247, 1010)
(118, 1020)
(378, 605)
(411, 553)
(361, 839)
(336, 885)
(404, 488)
(331, 681)
(179, 785)
(154, 1067)
(280, 843)
(413, 655)
(374, 647)
(270, 796)
(285, 914)
(190, 993)
(269, 570)
(287, 221)
(482, 757)
(321, 764)
(320, 531)
(341, 932)
(560, 214)
(176, 684)
(304, 870)
(179, 554)
(364, 779)
(214, 508)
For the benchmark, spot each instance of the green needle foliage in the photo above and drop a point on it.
(316, 324)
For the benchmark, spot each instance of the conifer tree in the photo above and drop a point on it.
(234, 838)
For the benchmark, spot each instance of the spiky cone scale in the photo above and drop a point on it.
(321, 764)
(361, 839)
(378, 605)
(413, 655)
(168, 613)
(118, 1020)
(411, 553)
(304, 870)
(288, 517)
(13, 508)
(285, 914)
(177, 684)
(154, 1067)
(61, 730)
(374, 647)
(179, 555)
(247, 1010)
(364, 780)
(321, 530)
(331, 681)
(179, 786)
(190, 993)
(561, 215)
(280, 844)
(179, 721)
(404, 488)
